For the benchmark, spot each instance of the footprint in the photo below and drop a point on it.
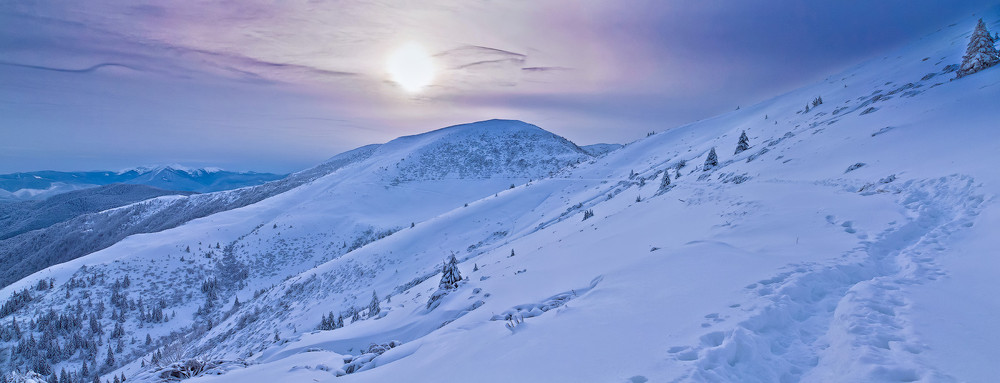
(713, 339)
(676, 349)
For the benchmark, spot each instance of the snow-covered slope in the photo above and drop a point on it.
(850, 242)
(20, 217)
(356, 198)
(29, 252)
(601, 149)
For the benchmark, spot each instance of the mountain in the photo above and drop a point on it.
(20, 217)
(483, 158)
(35, 250)
(43, 184)
(853, 240)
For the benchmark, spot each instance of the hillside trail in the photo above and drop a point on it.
(846, 320)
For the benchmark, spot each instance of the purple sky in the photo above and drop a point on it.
(280, 86)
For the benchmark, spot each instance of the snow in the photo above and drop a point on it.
(775, 265)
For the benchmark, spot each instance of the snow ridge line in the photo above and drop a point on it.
(849, 319)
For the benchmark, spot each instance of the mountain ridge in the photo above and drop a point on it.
(42, 184)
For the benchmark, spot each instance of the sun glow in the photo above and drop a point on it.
(410, 67)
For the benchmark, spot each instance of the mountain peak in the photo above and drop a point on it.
(484, 149)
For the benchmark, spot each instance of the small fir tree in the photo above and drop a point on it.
(744, 143)
(712, 160)
(450, 275)
(665, 183)
(981, 53)
(374, 308)
(110, 359)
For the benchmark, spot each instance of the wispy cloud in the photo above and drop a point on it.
(279, 85)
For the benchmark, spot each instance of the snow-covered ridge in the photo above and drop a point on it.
(44, 184)
(485, 149)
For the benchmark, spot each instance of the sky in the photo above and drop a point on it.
(281, 86)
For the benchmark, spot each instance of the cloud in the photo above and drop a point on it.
(260, 83)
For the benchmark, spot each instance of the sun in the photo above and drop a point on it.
(410, 67)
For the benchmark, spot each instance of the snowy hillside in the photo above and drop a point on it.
(31, 251)
(353, 199)
(44, 184)
(20, 217)
(601, 149)
(851, 241)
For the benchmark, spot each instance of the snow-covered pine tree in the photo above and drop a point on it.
(109, 361)
(665, 183)
(744, 143)
(712, 160)
(981, 53)
(373, 307)
(450, 276)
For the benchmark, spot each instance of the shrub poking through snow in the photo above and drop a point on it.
(587, 214)
(854, 167)
(361, 362)
(712, 160)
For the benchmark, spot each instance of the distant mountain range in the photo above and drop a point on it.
(43, 184)
(23, 216)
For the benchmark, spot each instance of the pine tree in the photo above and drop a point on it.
(374, 308)
(110, 359)
(450, 276)
(149, 340)
(665, 183)
(981, 53)
(744, 143)
(712, 160)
